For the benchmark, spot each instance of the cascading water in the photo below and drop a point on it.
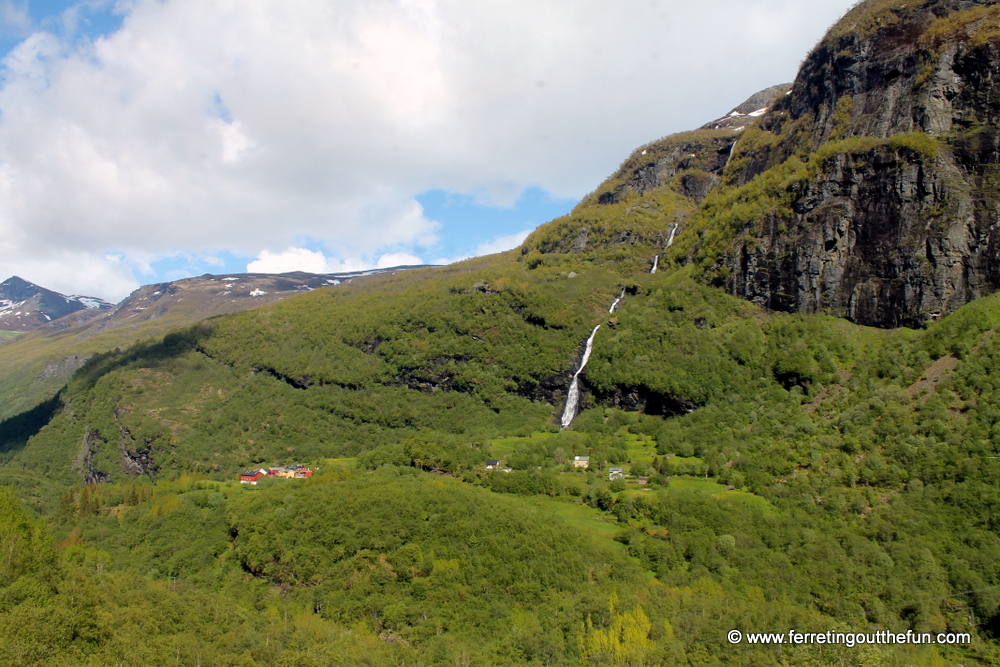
(673, 232)
(670, 242)
(616, 302)
(573, 397)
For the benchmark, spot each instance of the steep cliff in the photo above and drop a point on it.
(888, 210)
(869, 189)
(634, 214)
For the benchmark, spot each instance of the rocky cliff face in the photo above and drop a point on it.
(880, 232)
(868, 189)
(659, 186)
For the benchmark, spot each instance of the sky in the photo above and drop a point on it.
(150, 140)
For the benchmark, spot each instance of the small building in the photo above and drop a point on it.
(492, 464)
(643, 481)
(615, 473)
(251, 476)
(289, 472)
(581, 461)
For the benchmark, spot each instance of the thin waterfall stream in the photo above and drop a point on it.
(616, 302)
(573, 397)
(670, 242)
(670, 239)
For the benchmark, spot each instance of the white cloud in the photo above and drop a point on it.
(234, 126)
(313, 261)
(107, 276)
(499, 244)
(293, 259)
(397, 259)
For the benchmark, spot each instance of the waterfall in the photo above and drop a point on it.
(670, 239)
(573, 397)
(670, 242)
(616, 302)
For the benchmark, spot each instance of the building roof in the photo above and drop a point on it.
(581, 458)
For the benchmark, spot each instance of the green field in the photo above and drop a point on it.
(6, 335)
(504, 447)
(342, 462)
(641, 448)
(685, 465)
(579, 515)
(695, 485)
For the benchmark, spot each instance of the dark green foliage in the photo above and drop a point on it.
(15, 431)
(805, 472)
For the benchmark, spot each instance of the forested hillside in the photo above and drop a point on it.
(778, 470)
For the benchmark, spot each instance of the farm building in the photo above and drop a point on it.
(290, 472)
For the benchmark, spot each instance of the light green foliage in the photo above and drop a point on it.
(404, 552)
(766, 203)
(25, 551)
(627, 219)
(867, 17)
(975, 26)
(820, 474)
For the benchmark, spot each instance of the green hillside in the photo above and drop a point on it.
(863, 492)
(748, 467)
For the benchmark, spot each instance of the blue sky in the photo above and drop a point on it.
(146, 140)
(21, 18)
(465, 223)
(465, 227)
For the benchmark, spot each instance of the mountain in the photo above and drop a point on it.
(874, 178)
(35, 365)
(25, 306)
(211, 295)
(757, 461)
(866, 190)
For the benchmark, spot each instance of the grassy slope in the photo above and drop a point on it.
(864, 480)
(34, 367)
(846, 486)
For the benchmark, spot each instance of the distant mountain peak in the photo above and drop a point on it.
(25, 306)
(742, 116)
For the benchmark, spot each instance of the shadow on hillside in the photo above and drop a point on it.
(150, 353)
(15, 431)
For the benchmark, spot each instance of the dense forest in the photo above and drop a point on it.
(755, 466)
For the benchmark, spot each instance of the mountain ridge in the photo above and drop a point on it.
(750, 465)
(866, 190)
(37, 363)
(25, 306)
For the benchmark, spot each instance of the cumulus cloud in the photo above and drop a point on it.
(293, 259)
(499, 244)
(389, 260)
(314, 261)
(105, 274)
(236, 126)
